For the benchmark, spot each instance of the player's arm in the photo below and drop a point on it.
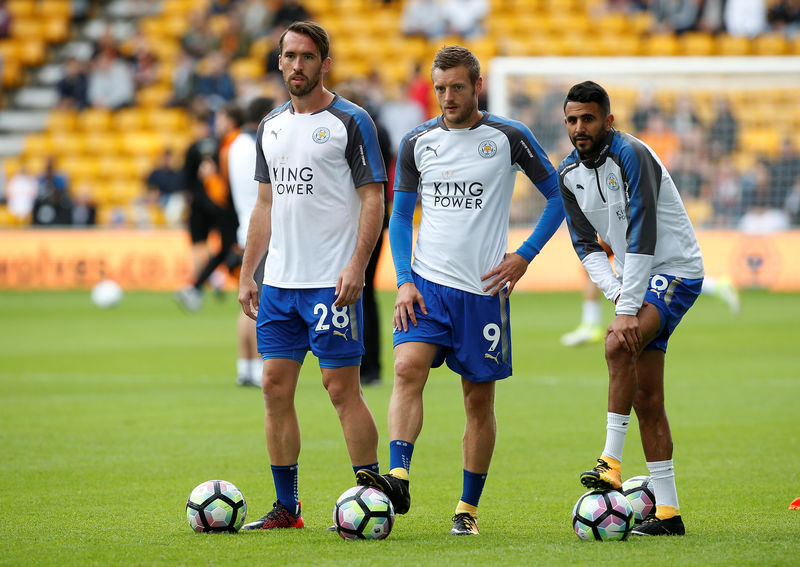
(401, 231)
(258, 235)
(370, 223)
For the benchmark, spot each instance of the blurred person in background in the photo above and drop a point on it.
(21, 192)
(221, 214)
(164, 185)
(53, 205)
(318, 213)
(73, 86)
(214, 84)
(371, 361)
(111, 82)
(244, 191)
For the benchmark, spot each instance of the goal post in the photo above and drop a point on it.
(728, 128)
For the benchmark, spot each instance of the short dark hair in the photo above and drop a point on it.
(258, 108)
(451, 56)
(589, 91)
(314, 31)
(234, 112)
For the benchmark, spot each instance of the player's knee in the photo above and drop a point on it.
(407, 373)
(340, 393)
(615, 348)
(648, 403)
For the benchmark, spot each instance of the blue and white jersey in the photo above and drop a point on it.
(465, 178)
(314, 163)
(627, 197)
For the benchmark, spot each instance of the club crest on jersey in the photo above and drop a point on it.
(487, 149)
(612, 183)
(321, 135)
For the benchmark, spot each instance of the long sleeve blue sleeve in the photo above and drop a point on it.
(401, 234)
(551, 219)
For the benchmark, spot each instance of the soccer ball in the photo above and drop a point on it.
(107, 293)
(363, 512)
(603, 515)
(641, 495)
(216, 506)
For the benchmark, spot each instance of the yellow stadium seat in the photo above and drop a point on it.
(166, 119)
(80, 166)
(62, 121)
(733, 45)
(27, 27)
(68, 142)
(127, 119)
(661, 44)
(59, 9)
(154, 95)
(248, 68)
(32, 51)
(764, 141)
(55, 30)
(11, 74)
(103, 142)
(770, 44)
(21, 8)
(37, 145)
(698, 44)
(143, 142)
(95, 120)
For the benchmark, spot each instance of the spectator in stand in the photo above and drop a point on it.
(465, 17)
(198, 41)
(21, 192)
(423, 18)
(726, 193)
(745, 17)
(73, 87)
(5, 20)
(784, 16)
(645, 107)
(419, 91)
(290, 11)
(661, 138)
(164, 185)
(215, 86)
(784, 173)
(110, 80)
(684, 120)
(676, 16)
(723, 135)
(184, 79)
(84, 209)
(53, 205)
(145, 63)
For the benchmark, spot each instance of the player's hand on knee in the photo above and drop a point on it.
(626, 329)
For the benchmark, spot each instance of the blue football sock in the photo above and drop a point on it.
(400, 454)
(373, 467)
(473, 487)
(285, 479)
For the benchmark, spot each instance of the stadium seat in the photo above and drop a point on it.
(770, 44)
(697, 44)
(55, 9)
(32, 51)
(728, 45)
(763, 141)
(21, 8)
(661, 44)
(95, 120)
(37, 144)
(128, 119)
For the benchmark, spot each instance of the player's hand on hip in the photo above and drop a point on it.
(407, 296)
(508, 273)
(626, 329)
(349, 286)
(248, 297)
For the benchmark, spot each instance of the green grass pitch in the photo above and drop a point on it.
(109, 418)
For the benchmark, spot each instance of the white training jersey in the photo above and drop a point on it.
(314, 163)
(626, 196)
(466, 178)
(244, 190)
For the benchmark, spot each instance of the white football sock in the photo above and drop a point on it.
(616, 430)
(592, 312)
(242, 368)
(663, 475)
(256, 369)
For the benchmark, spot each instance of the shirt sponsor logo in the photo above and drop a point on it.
(293, 181)
(467, 195)
(487, 149)
(321, 135)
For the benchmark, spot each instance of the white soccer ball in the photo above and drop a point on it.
(107, 293)
(216, 506)
(363, 512)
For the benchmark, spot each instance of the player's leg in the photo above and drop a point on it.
(622, 386)
(657, 445)
(480, 433)
(412, 364)
(358, 425)
(281, 336)
(282, 429)
(590, 329)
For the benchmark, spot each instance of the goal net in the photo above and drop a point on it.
(727, 128)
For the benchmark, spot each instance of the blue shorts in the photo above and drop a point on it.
(292, 321)
(472, 331)
(672, 296)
